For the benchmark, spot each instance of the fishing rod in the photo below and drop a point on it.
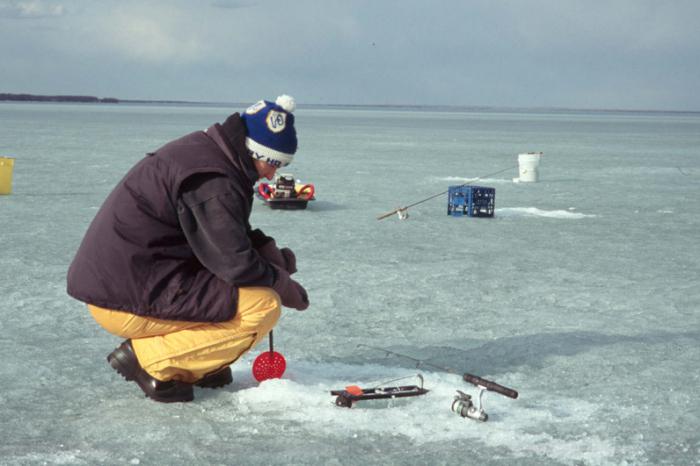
(462, 403)
(401, 211)
(471, 378)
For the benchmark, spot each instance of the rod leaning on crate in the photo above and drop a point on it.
(402, 210)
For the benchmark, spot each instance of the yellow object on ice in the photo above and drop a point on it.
(6, 165)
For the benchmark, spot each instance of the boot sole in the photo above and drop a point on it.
(216, 380)
(120, 366)
(117, 361)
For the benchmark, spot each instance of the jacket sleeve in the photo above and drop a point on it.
(258, 239)
(214, 219)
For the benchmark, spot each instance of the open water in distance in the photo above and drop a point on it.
(582, 293)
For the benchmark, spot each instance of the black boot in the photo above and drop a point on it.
(217, 379)
(124, 361)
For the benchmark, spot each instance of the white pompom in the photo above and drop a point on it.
(286, 102)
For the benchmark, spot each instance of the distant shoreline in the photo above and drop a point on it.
(9, 97)
(80, 99)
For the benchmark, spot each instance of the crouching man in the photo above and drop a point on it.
(171, 263)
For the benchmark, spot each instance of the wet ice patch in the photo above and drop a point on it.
(535, 212)
(458, 180)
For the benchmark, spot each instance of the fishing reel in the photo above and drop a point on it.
(463, 406)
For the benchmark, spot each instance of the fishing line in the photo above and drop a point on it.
(419, 362)
(377, 383)
(401, 211)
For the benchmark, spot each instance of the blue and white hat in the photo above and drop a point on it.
(271, 135)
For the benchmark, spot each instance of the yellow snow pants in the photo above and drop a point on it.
(188, 351)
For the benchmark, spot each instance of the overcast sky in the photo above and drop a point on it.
(633, 54)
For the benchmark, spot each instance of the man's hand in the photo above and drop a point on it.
(291, 292)
(283, 258)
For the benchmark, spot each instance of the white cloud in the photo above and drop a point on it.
(30, 9)
(152, 36)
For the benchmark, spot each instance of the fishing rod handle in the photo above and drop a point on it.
(489, 385)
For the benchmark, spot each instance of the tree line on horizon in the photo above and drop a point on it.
(57, 98)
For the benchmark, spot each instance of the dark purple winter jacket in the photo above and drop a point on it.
(136, 255)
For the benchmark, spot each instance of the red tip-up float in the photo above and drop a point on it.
(269, 365)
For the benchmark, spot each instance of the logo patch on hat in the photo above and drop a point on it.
(276, 121)
(255, 108)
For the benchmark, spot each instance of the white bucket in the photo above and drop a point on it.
(527, 164)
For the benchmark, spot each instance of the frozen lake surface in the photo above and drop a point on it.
(583, 293)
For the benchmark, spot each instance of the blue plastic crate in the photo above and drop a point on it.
(471, 201)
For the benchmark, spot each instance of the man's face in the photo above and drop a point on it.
(265, 170)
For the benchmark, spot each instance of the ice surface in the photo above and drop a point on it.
(582, 293)
(535, 212)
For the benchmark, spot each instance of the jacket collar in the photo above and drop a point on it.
(230, 137)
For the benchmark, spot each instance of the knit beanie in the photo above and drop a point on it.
(271, 136)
